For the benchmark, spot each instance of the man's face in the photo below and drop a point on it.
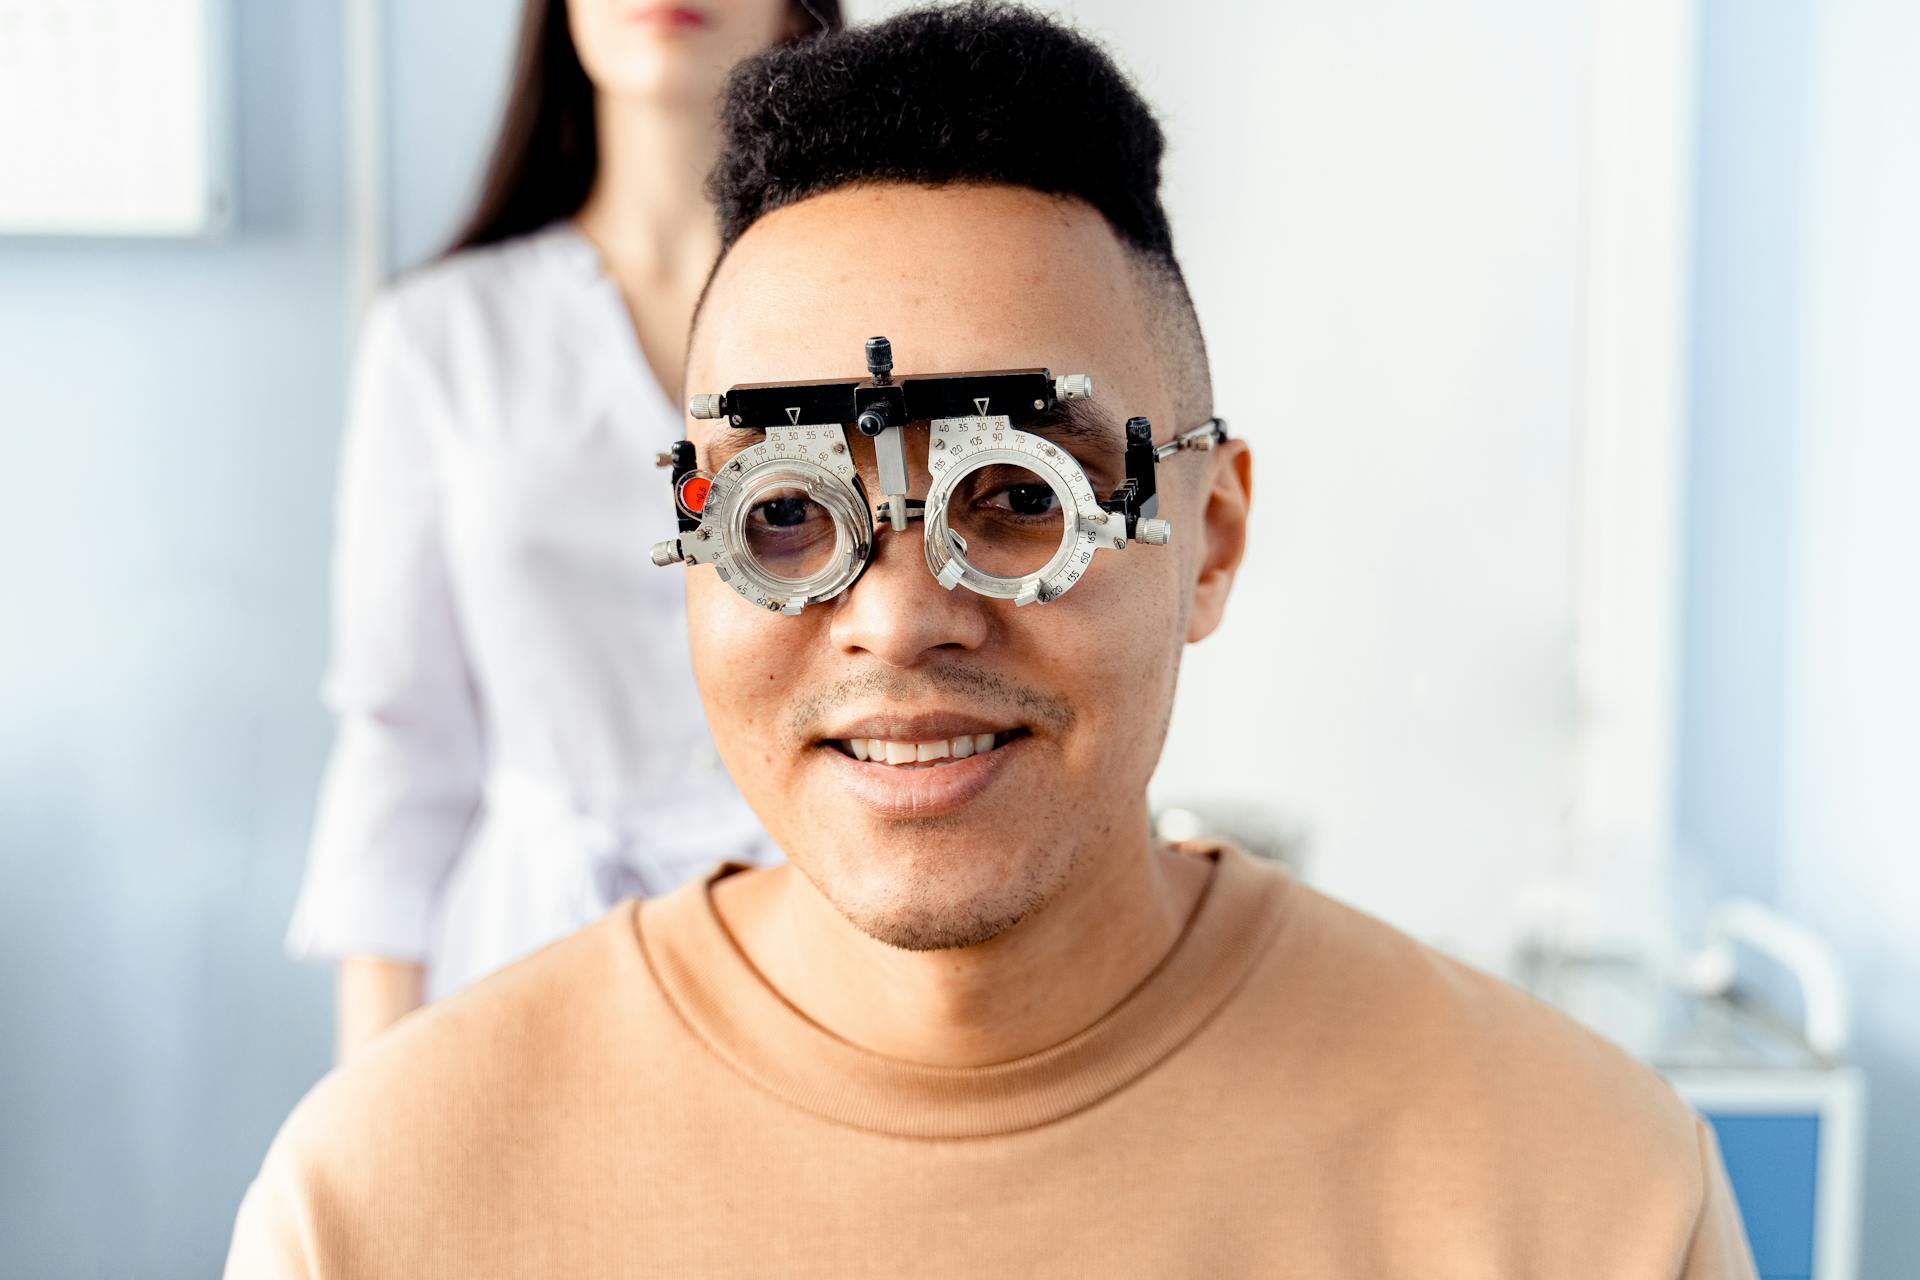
(1076, 692)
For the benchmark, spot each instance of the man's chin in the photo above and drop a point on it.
(952, 931)
(921, 905)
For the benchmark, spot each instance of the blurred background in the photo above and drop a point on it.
(1577, 342)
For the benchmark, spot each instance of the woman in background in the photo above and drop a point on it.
(519, 741)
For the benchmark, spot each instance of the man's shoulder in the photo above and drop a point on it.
(1423, 1045)
(1454, 1114)
(463, 1109)
(485, 1063)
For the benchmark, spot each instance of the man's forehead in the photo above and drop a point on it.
(958, 278)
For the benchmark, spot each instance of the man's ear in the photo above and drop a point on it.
(1228, 499)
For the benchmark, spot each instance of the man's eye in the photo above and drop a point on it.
(1025, 499)
(783, 513)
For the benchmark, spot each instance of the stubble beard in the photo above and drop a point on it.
(928, 910)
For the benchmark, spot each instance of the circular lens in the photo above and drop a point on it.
(795, 532)
(1006, 520)
(790, 536)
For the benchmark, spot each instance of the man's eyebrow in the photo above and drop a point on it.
(1078, 426)
(727, 441)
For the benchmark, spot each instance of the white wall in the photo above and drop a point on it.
(1850, 852)
(447, 67)
(168, 414)
(1801, 724)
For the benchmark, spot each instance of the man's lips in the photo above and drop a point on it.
(923, 789)
(917, 764)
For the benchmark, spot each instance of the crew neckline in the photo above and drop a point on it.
(746, 1023)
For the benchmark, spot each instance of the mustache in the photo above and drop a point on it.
(983, 690)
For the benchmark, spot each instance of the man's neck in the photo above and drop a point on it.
(1036, 985)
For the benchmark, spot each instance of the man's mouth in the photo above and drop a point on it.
(904, 765)
(924, 753)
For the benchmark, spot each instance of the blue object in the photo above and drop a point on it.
(1773, 1163)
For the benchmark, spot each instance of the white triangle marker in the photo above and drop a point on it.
(793, 414)
(980, 403)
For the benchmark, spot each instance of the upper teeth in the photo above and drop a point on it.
(883, 751)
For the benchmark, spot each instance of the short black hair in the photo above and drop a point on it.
(983, 92)
(980, 92)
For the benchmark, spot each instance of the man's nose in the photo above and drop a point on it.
(897, 613)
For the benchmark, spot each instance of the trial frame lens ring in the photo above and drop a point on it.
(844, 504)
(942, 549)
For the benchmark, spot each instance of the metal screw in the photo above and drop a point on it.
(736, 419)
(1039, 404)
(701, 533)
(940, 442)
(840, 448)
(1118, 543)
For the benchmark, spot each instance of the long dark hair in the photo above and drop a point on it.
(548, 150)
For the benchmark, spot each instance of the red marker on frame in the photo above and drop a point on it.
(693, 490)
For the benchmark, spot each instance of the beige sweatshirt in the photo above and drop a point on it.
(1297, 1090)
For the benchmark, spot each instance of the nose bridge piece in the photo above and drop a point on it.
(890, 459)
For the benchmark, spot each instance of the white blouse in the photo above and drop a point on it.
(520, 744)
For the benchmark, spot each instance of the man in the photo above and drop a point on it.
(981, 1024)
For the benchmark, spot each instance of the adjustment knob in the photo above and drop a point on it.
(1073, 386)
(707, 405)
(666, 553)
(1154, 533)
(880, 359)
